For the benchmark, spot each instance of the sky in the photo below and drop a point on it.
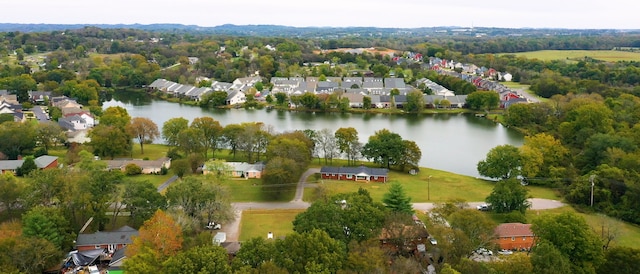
(575, 14)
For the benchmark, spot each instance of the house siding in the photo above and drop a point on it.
(516, 242)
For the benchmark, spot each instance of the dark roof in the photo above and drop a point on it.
(355, 170)
(120, 236)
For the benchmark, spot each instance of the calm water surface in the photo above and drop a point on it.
(451, 142)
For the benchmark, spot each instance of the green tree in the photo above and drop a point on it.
(502, 162)
(476, 226)
(231, 135)
(622, 259)
(281, 99)
(48, 224)
(115, 116)
(17, 138)
(547, 259)
(171, 128)
(280, 176)
(49, 134)
(347, 139)
(366, 257)
(552, 153)
(397, 200)
(144, 130)
(212, 131)
(142, 201)
(189, 141)
(572, 237)
(411, 155)
(345, 217)
(27, 166)
(384, 148)
(415, 102)
(509, 195)
(11, 191)
(200, 200)
(200, 259)
(31, 254)
(255, 252)
(214, 99)
(483, 100)
(109, 141)
(311, 252)
(180, 167)
(366, 102)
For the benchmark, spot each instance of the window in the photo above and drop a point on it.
(97, 246)
(349, 176)
(513, 238)
(524, 238)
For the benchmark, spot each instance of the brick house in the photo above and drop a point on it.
(359, 174)
(515, 236)
(42, 162)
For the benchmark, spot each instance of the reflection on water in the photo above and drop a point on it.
(452, 142)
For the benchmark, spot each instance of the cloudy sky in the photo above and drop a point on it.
(580, 14)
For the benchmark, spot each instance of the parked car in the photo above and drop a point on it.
(484, 251)
(483, 207)
(505, 252)
(213, 225)
(433, 241)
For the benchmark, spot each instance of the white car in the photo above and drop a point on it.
(483, 207)
(505, 252)
(433, 241)
(484, 251)
(213, 225)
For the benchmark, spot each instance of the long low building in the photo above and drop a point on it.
(359, 174)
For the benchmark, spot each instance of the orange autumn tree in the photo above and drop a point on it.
(160, 234)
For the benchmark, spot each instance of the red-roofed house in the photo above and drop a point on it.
(515, 236)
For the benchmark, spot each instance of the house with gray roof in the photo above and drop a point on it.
(110, 240)
(42, 162)
(358, 174)
(241, 169)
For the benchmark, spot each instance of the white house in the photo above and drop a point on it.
(235, 97)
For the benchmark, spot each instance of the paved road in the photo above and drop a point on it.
(233, 228)
(40, 114)
(168, 182)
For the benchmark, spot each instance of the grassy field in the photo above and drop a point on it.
(441, 187)
(156, 180)
(251, 190)
(604, 55)
(257, 223)
(627, 234)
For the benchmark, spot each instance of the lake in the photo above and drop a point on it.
(450, 142)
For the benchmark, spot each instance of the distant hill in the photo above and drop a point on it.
(326, 32)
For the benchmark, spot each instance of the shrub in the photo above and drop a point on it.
(132, 169)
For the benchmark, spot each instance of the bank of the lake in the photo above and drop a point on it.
(450, 142)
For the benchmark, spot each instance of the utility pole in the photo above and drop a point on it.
(429, 188)
(591, 179)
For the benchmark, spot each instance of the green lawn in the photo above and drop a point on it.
(627, 234)
(441, 187)
(251, 190)
(605, 55)
(151, 151)
(257, 223)
(156, 180)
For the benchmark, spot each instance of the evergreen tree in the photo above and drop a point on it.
(397, 200)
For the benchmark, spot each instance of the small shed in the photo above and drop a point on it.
(219, 238)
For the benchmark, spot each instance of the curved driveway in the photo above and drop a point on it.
(233, 228)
